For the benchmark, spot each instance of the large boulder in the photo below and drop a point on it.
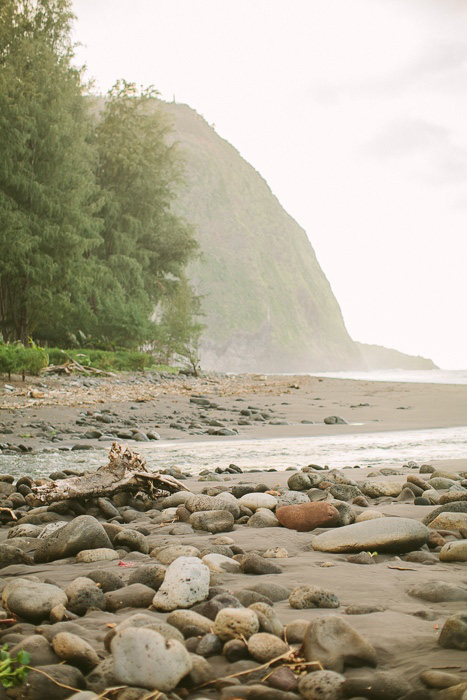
(84, 532)
(394, 535)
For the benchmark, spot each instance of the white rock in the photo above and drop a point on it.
(253, 501)
(186, 583)
(143, 658)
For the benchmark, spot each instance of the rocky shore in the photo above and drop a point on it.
(266, 585)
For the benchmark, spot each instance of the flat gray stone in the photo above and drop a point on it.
(394, 535)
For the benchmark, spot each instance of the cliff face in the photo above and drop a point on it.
(268, 305)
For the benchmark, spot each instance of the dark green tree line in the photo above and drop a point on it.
(88, 240)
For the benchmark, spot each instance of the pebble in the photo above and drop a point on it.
(308, 596)
(439, 679)
(212, 521)
(382, 685)
(368, 515)
(32, 601)
(221, 564)
(132, 539)
(454, 551)
(143, 658)
(84, 593)
(438, 592)
(334, 643)
(321, 685)
(88, 556)
(75, 651)
(186, 582)
(454, 632)
(308, 516)
(264, 647)
(47, 682)
(396, 535)
(235, 623)
(273, 591)
(253, 501)
(257, 565)
(292, 498)
(168, 554)
(135, 595)
(376, 489)
(449, 521)
(263, 517)
(151, 575)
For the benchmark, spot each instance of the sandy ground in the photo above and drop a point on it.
(156, 404)
(406, 631)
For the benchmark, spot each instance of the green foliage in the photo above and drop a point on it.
(17, 359)
(118, 361)
(47, 189)
(179, 331)
(13, 669)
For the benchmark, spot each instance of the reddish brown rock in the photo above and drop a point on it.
(435, 540)
(306, 516)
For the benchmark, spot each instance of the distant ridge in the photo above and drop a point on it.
(378, 357)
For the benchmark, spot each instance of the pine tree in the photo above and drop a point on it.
(145, 246)
(47, 226)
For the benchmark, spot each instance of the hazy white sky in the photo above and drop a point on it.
(354, 111)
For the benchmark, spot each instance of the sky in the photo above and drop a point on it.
(355, 113)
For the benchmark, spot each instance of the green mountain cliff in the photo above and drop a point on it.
(267, 303)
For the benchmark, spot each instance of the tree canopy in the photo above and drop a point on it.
(88, 238)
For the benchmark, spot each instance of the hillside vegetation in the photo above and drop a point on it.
(268, 305)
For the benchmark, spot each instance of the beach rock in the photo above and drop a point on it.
(295, 631)
(335, 644)
(376, 489)
(346, 512)
(449, 521)
(88, 556)
(361, 558)
(84, 593)
(212, 521)
(235, 623)
(292, 498)
(453, 496)
(247, 598)
(344, 492)
(209, 645)
(257, 565)
(363, 609)
(168, 554)
(186, 582)
(253, 501)
(454, 632)
(75, 651)
(32, 601)
(273, 591)
(438, 592)
(307, 516)
(455, 692)
(276, 553)
(396, 535)
(368, 515)
(134, 540)
(84, 532)
(454, 551)
(458, 507)
(135, 595)
(382, 685)
(283, 678)
(143, 658)
(151, 575)
(334, 420)
(264, 647)
(269, 622)
(263, 517)
(10, 554)
(48, 682)
(39, 649)
(216, 603)
(168, 631)
(300, 482)
(107, 580)
(189, 618)
(221, 564)
(321, 685)
(308, 596)
(439, 679)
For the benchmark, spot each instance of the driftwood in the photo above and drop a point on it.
(125, 471)
(71, 366)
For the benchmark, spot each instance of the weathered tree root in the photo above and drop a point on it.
(125, 471)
